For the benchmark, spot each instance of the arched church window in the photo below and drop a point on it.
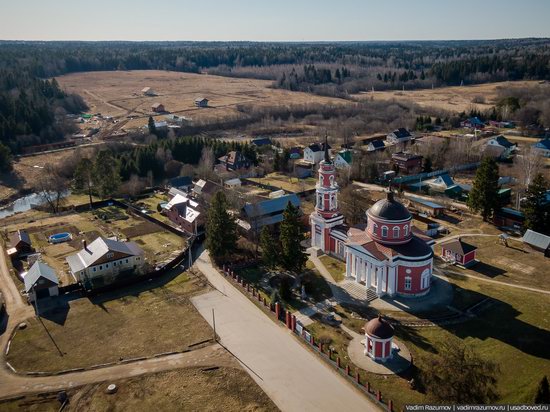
(425, 280)
(406, 230)
(384, 231)
(396, 232)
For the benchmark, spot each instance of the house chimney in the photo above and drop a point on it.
(84, 244)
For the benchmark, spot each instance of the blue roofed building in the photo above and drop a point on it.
(543, 147)
(261, 141)
(265, 212)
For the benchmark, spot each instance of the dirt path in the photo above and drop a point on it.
(12, 385)
(290, 374)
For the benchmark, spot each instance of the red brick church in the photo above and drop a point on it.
(388, 256)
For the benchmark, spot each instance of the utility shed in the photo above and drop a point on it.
(40, 282)
(537, 241)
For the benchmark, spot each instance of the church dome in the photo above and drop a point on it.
(379, 328)
(389, 209)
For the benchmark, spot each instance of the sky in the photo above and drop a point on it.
(273, 20)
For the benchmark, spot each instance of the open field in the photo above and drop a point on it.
(118, 94)
(141, 320)
(516, 264)
(226, 387)
(454, 99)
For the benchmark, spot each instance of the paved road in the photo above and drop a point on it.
(291, 375)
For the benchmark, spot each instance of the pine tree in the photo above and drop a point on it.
(221, 228)
(270, 248)
(293, 257)
(483, 197)
(106, 177)
(5, 159)
(151, 125)
(427, 167)
(277, 161)
(536, 214)
(543, 392)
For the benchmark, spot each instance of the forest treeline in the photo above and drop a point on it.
(32, 107)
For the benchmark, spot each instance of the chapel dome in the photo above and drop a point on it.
(379, 328)
(389, 209)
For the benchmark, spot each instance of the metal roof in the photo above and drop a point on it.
(536, 239)
(180, 181)
(97, 249)
(427, 203)
(38, 270)
(269, 206)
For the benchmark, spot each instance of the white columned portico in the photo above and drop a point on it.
(348, 265)
(391, 280)
(369, 274)
(378, 272)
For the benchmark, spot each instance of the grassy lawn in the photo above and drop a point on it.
(512, 264)
(336, 267)
(291, 184)
(514, 330)
(316, 286)
(124, 324)
(227, 388)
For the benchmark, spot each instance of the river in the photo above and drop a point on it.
(23, 204)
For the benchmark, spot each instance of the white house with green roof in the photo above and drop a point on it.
(343, 159)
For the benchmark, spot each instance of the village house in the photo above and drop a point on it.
(508, 218)
(407, 163)
(40, 282)
(426, 206)
(425, 225)
(375, 145)
(269, 212)
(261, 141)
(184, 212)
(472, 123)
(20, 243)
(303, 169)
(543, 147)
(205, 190)
(295, 153)
(343, 159)
(147, 91)
(537, 241)
(400, 135)
(201, 102)
(183, 183)
(233, 183)
(104, 260)
(459, 252)
(503, 143)
(234, 160)
(314, 153)
(158, 108)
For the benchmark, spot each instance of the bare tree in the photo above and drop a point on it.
(529, 163)
(51, 186)
(205, 169)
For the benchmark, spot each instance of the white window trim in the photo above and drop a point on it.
(396, 232)
(408, 283)
(384, 231)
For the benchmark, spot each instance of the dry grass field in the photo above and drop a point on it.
(454, 99)
(228, 388)
(118, 94)
(141, 320)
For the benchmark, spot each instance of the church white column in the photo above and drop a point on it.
(369, 274)
(378, 272)
(359, 270)
(348, 264)
(391, 280)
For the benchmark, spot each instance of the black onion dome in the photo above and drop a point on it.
(389, 209)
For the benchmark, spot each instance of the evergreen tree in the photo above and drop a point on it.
(293, 257)
(543, 392)
(427, 167)
(483, 197)
(151, 125)
(221, 228)
(106, 177)
(5, 159)
(537, 214)
(277, 161)
(270, 249)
